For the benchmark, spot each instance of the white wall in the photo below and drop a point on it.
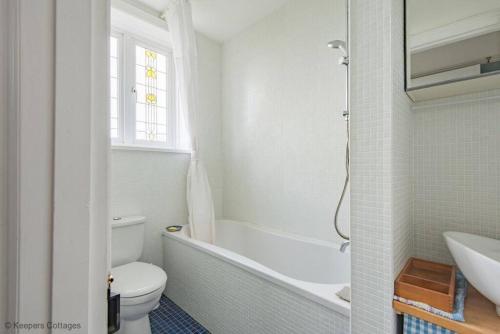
(154, 183)
(283, 134)
(456, 170)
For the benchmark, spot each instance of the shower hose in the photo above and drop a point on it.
(346, 183)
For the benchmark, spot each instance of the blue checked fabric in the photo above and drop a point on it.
(413, 325)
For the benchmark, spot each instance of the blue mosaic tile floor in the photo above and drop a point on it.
(171, 319)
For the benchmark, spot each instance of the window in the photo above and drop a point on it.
(114, 90)
(142, 95)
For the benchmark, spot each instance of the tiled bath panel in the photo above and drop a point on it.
(456, 170)
(226, 299)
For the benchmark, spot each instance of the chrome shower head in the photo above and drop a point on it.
(338, 44)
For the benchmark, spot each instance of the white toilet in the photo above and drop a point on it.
(139, 284)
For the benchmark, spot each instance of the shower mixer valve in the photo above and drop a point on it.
(344, 60)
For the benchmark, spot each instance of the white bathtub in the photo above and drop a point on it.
(279, 280)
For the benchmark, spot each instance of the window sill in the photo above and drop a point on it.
(121, 147)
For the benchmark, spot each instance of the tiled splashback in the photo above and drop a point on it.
(456, 170)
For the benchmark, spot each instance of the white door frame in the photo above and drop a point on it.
(59, 230)
(30, 163)
(80, 239)
(12, 26)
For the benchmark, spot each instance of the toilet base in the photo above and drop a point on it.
(140, 325)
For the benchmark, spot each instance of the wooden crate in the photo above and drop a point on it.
(427, 282)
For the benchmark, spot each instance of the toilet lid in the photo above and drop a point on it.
(137, 279)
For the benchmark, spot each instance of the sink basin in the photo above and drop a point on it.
(479, 260)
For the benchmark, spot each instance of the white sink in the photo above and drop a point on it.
(479, 260)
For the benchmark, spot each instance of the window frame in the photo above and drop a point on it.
(127, 42)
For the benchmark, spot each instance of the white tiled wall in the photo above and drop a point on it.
(456, 170)
(284, 135)
(380, 190)
(416, 170)
(402, 125)
(150, 184)
(226, 299)
(154, 183)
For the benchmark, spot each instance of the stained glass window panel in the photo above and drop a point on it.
(151, 95)
(140, 75)
(140, 112)
(141, 93)
(143, 102)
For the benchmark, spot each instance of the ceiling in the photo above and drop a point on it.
(223, 19)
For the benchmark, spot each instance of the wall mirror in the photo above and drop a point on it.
(452, 47)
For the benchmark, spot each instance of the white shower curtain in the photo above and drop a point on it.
(199, 195)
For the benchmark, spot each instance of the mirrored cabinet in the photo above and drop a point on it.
(452, 47)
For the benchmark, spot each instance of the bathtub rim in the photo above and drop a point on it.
(280, 233)
(334, 303)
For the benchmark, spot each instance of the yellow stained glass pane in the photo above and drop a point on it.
(151, 98)
(150, 54)
(151, 72)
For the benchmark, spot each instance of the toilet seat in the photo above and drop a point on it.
(136, 280)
